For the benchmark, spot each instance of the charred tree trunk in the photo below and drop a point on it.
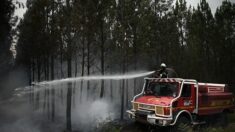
(45, 67)
(62, 96)
(69, 92)
(33, 79)
(39, 70)
(120, 11)
(68, 109)
(33, 70)
(127, 94)
(111, 90)
(122, 99)
(29, 74)
(74, 84)
(123, 82)
(102, 58)
(76, 65)
(61, 61)
(48, 103)
(61, 57)
(44, 101)
(69, 69)
(47, 59)
(29, 71)
(135, 58)
(52, 90)
(39, 79)
(83, 65)
(88, 65)
(52, 62)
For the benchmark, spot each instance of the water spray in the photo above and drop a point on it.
(44, 84)
(98, 77)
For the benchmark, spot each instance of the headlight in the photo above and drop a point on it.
(162, 110)
(135, 106)
(159, 110)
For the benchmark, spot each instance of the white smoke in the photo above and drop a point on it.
(88, 110)
(91, 115)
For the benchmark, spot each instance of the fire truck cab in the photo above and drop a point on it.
(170, 101)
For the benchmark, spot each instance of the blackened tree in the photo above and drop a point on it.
(6, 58)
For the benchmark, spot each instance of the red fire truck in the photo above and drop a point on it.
(174, 101)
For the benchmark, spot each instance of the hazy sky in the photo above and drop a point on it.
(213, 4)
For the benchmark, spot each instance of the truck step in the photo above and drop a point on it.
(198, 123)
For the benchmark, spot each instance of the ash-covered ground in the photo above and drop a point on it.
(16, 114)
(30, 108)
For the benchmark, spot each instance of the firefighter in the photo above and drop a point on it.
(162, 72)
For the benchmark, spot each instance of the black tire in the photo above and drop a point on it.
(182, 125)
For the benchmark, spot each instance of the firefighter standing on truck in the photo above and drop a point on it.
(162, 72)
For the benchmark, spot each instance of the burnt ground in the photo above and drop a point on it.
(136, 127)
(128, 126)
(15, 116)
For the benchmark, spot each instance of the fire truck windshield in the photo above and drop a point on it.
(162, 89)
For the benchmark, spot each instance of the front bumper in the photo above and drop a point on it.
(150, 118)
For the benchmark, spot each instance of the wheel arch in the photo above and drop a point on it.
(184, 113)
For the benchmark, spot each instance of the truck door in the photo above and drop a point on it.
(187, 100)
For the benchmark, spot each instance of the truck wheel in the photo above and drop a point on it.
(182, 125)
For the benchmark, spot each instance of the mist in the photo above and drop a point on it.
(30, 107)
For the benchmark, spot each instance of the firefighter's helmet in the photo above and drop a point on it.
(163, 65)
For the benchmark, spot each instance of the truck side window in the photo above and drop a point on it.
(186, 91)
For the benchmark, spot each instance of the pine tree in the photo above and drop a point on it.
(225, 40)
(6, 57)
(200, 36)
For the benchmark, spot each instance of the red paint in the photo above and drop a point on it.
(153, 100)
(212, 98)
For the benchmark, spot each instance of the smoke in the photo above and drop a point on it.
(10, 81)
(15, 113)
(18, 115)
(89, 116)
(30, 109)
(21, 125)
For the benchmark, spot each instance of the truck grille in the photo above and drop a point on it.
(159, 110)
(148, 107)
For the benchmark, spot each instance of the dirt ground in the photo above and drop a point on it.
(137, 127)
